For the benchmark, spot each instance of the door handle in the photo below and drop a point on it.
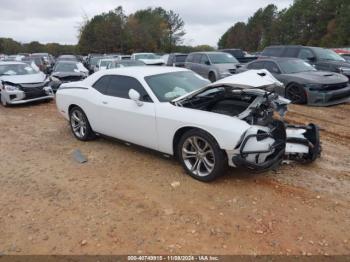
(104, 102)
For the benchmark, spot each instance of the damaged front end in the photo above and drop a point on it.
(269, 142)
(251, 97)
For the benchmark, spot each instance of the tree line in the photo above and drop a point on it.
(306, 22)
(10, 46)
(151, 29)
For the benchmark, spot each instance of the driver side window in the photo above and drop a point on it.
(305, 54)
(119, 86)
(272, 68)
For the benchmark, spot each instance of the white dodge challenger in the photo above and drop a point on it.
(237, 121)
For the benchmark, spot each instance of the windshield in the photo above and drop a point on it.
(66, 67)
(222, 58)
(146, 56)
(327, 54)
(17, 69)
(295, 66)
(169, 86)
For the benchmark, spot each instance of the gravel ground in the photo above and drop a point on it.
(122, 200)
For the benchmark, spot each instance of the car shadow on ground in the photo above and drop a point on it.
(231, 173)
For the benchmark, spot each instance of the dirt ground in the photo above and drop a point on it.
(121, 201)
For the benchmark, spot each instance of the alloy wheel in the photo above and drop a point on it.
(78, 123)
(198, 156)
(295, 94)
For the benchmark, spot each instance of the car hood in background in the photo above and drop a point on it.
(318, 77)
(152, 61)
(24, 79)
(252, 79)
(66, 74)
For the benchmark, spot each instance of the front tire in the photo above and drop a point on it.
(80, 125)
(296, 93)
(201, 156)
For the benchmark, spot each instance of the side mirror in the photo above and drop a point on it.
(135, 96)
(207, 62)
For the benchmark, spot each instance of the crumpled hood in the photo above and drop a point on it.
(152, 61)
(319, 77)
(24, 79)
(252, 79)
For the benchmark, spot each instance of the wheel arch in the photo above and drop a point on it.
(214, 73)
(178, 134)
(71, 106)
(300, 85)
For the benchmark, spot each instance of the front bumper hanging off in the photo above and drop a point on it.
(284, 143)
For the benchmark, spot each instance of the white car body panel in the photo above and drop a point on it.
(154, 125)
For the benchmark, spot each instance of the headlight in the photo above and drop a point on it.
(314, 87)
(8, 87)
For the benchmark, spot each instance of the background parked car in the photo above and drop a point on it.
(39, 62)
(176, 59)
(321, 58)
(148, 58)
(241, 56)
(303, 83)
(45, 64)
(67, 58)
(212, 65)
(67, 71)
(31, 61)
(20, 83)
(49, 59)
(103, 63)
(124, 63)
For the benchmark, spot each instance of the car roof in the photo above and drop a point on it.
(209, 52)
(276, 59)
(145, 53)
(107, 59)
(67, 62)
(137, 72)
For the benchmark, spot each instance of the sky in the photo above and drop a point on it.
(58, 21)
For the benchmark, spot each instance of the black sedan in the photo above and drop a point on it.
(67, 71)
(303, 84)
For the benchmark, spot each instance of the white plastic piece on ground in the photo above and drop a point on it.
(295, 147)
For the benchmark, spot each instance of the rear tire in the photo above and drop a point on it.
(201, 156)
(80, 125)
(296, 93)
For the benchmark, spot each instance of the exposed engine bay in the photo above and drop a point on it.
(270, 140)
